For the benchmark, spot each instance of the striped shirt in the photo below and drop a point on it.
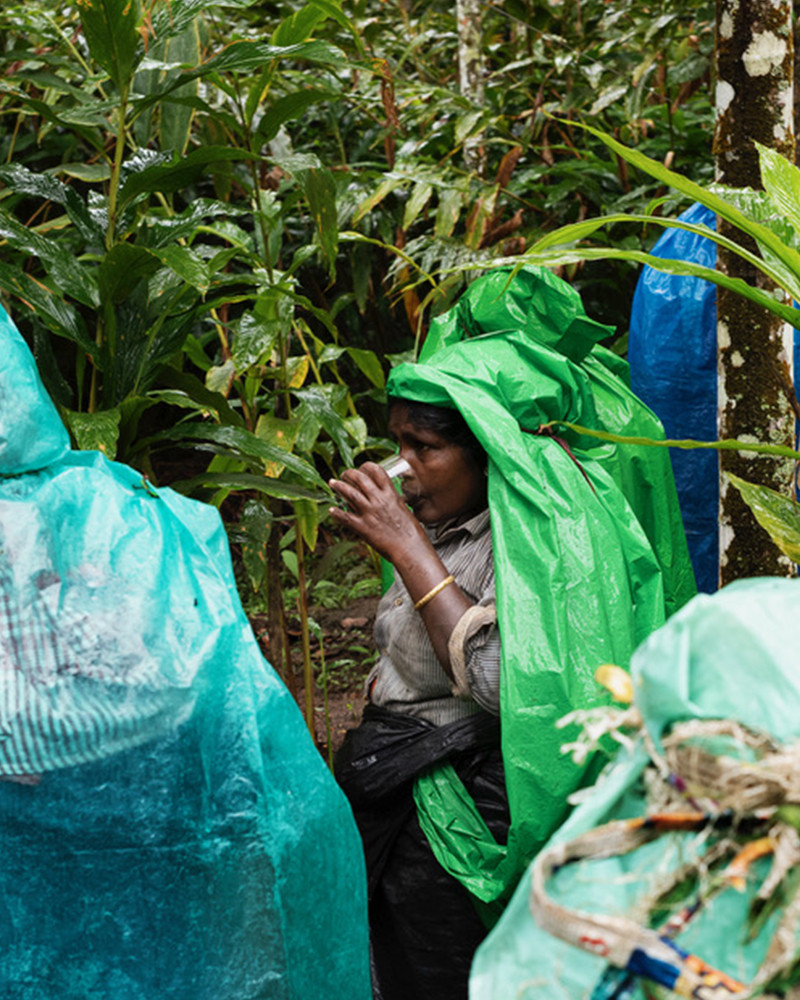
(71, 691)
(408, 677)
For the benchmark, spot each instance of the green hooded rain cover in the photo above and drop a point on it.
(589, 550)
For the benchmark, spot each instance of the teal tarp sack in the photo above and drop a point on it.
(728, 656)
(588, 546)
(169, 831)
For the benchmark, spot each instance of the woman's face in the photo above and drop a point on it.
(445, 480)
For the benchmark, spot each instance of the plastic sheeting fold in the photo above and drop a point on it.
(168, 829)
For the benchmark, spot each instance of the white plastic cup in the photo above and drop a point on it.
(395, 467)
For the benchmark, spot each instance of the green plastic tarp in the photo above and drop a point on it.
(169, 831)
(589, 550)
(730, 655)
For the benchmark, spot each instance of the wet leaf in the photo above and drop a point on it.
(778, 515)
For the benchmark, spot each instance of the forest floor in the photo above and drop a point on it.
(349, 653)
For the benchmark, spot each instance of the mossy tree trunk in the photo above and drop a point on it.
(754, 101)
(471, 74)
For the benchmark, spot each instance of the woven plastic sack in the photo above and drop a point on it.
(588, 547)
(169, 831)
(721, 657)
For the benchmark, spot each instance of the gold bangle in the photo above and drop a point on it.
(436, 590)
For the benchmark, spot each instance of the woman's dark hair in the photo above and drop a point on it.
(446, 422)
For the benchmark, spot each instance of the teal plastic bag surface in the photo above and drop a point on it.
(169, 831)
(588, 546)
(725, 656)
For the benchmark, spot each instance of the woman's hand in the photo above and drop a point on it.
(376, 511)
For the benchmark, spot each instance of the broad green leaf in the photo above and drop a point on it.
(296, 163)
(246, 481)
(56, 314)
(760, 233)
(220, 377)
(557, 258)
(290, 562)
(288, 108)
(279, 433)
(255, 341)
(123, 268)
(322, 402)
(195, 352)
(321, 315)
(175, 114)
(180, 173)
(95, 431)
(186, 265)
(244, 443)
(781, 180)
(369, 364)
(307, 516)
(357, 429)
(58, 119)
(330, 352)
(298, 26)
(451, 201)
(194, 389)
(60, 390)
(259, 332)
(466, 124)
(255, 525)
(320, 190)
(576, 231)
(92, 173)
(390, 183)
(606, 97)
(72, 279)
(49, 188)
(204, 214)
(170, 18)
(247, 56)
(111, 28)
(778, 515)
(176, 118)
(420, 196)
(174, 397)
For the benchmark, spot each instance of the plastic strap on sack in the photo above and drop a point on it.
(746, 786)
(639, 951)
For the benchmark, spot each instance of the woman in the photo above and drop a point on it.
(588, 556)
(435, 690)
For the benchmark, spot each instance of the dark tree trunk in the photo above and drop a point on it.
(754, 100)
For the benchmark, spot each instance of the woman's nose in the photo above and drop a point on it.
(407, 455)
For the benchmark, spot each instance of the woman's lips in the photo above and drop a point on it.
(413, 499)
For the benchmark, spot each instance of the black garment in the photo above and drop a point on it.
(424, 928)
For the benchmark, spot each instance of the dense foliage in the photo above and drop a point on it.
(222, 220)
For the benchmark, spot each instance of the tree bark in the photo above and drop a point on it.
(471, 73)
(754, 101)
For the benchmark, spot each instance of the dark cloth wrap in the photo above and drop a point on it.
(424, 928)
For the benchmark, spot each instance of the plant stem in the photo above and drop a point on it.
(276, 625)
(727, 444)
(302, 605)
(326, 704)
(119, 149)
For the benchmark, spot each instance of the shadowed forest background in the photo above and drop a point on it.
(222, 223)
